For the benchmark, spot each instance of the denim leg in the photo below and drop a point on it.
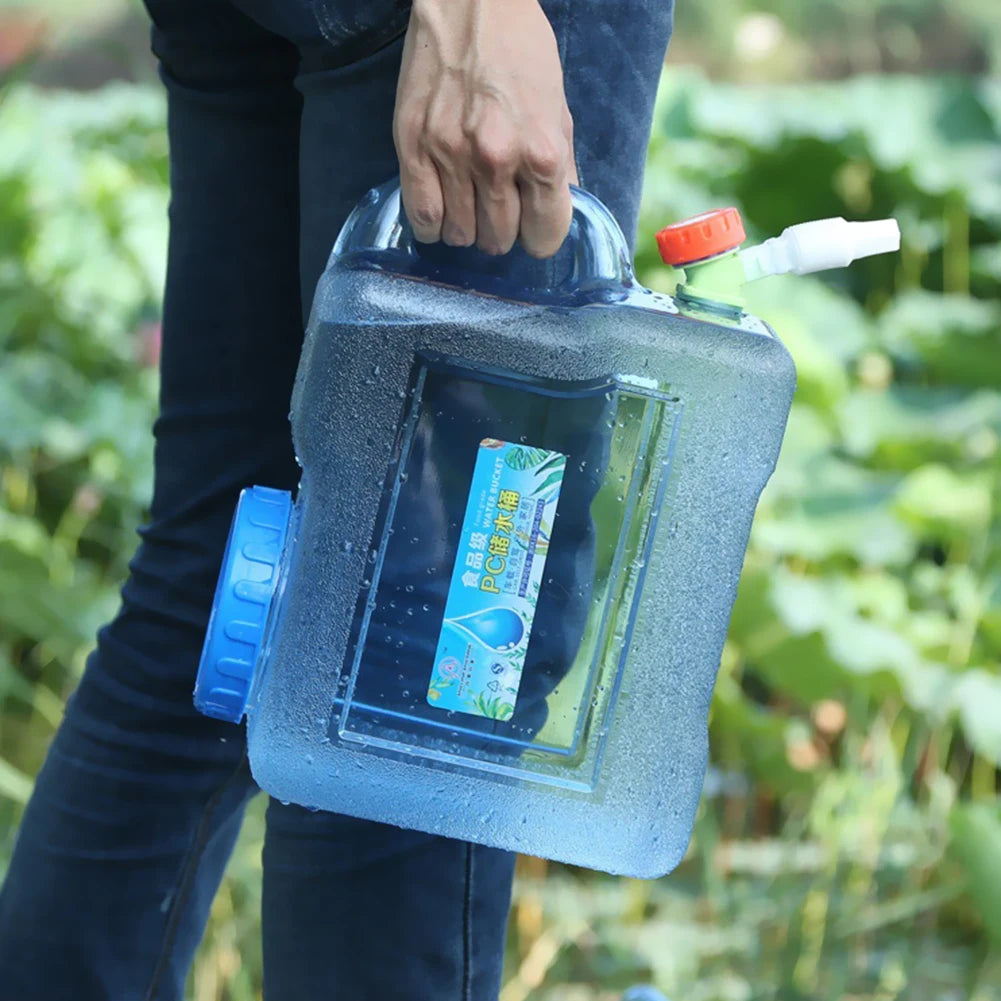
(140, 799)
(612, 52)
(353, 909)
(357, 910)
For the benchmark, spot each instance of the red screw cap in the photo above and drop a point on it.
(702, 236)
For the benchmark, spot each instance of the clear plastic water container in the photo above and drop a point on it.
(496, 607)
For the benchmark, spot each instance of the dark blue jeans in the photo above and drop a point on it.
(279, 120)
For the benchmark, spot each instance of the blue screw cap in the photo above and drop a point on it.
(247, 582)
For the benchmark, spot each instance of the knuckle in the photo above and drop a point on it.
(457, 236)
(494, 157)
(446, 146)
(494, 246)
(544, 161)
(407, 132)
(425, 216)
(568, 126)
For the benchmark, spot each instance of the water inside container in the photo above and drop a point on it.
(595, 457)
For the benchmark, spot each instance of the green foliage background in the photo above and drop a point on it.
(849, 844)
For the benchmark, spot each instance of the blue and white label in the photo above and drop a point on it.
(496, 578)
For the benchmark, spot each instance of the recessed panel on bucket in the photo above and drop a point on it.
(542, 551)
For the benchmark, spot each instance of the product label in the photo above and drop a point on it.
(495, 582)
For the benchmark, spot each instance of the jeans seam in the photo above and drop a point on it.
(186, 880)
(467, 930)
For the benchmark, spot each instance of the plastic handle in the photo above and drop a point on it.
(594, 256)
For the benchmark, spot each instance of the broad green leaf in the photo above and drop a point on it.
(905, 425)
(939, 501)
(13, 783)
(976, 843)
(820, 507)
(954, 338)
(837, 327)
(976, 696)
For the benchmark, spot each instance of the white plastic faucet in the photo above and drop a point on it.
(819, 246)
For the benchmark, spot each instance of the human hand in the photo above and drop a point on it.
(482, 128)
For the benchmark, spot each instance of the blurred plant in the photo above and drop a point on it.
(781, 39)
(82, 238)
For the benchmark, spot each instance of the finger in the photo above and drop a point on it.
(568, 135)
(495, 154)
(546, 208)
(495, 158)
(423, 200)
(449, 151)
(498, 216)
(458, 227)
